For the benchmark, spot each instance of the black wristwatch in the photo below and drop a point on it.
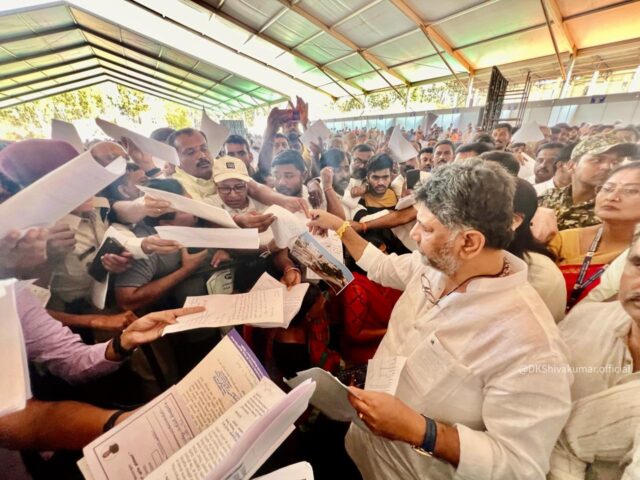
(119, 349)
(152, 173)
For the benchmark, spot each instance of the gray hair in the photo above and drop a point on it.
(472, 194)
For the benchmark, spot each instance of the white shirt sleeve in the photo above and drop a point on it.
(388, 270)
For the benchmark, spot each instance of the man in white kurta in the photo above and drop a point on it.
(602, 435)
(484, 357)
(489, 361)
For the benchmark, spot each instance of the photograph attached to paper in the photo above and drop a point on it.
(312, 255)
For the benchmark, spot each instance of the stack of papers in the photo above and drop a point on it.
(292, 298)
(14, 375)
(259, 307)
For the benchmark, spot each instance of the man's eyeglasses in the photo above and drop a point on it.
(427, 289)
(240, 188)
(624, 191)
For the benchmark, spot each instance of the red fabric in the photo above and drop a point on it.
(366, 308)
(571, 272)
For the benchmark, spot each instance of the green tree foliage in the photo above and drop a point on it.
(177, 116)
(131, 103)
(33, 118)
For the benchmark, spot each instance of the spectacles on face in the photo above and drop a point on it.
(427, 289)
(240, 188)
(626, 191)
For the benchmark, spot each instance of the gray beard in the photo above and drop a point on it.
(443, 259)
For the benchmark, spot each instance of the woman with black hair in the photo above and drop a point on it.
(543, 273)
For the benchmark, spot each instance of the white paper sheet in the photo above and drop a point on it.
(330, 397)
(528, 168)
(383, 374)
(216, 134)
(317, 129)
(238, 238)
(266, 306)
(529, 132)
(297, 471)
(148, 145)
(401, 148)
(427, 122)
(203, 210)
(51, 197)
(287, 226)
(65, 131)
(292, 298)
(14, 375)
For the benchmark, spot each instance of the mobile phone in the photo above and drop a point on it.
(295, 115)
(96, 269)
(413, 177)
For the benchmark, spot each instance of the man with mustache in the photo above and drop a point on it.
(591, 162)
(468, 323)
(501, 135)
(603, 432)
(545, 159)
(195, 175)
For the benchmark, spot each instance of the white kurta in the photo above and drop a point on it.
(489, 360)
(605, 416)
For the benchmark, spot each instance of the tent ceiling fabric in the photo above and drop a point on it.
(334, 47)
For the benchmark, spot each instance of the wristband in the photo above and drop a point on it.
(343, 228)
(153, 172)
(119, 349)
(430, 436)
(109, 424)
(293, 267)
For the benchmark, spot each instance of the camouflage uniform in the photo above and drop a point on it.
(568, 214)
(561, 200)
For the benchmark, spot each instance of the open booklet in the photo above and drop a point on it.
(222, 421)
(291, 232)
(14, 375)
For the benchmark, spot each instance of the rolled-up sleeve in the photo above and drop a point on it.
(393, 270)
(524, 412)
(57, 348)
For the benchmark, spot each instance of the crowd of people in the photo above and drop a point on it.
(506, 274)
